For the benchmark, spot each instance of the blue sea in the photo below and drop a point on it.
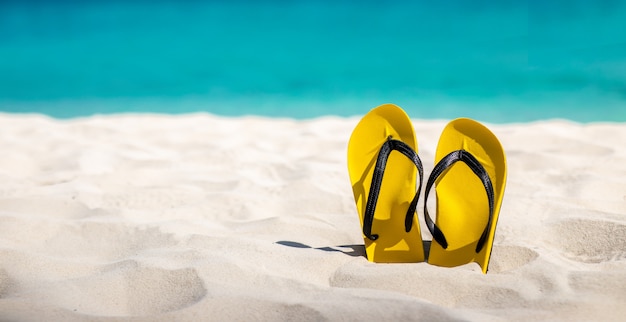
(495, 61)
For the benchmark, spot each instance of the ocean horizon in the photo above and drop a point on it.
(514, 61)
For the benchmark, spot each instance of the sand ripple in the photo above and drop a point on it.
(590, 241)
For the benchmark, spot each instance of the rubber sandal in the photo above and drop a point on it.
(384, 170)
(470, 177)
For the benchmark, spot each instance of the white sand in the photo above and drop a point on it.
(197, 217)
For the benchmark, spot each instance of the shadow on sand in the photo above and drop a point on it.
(350, 250)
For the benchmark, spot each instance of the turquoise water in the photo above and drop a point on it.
(508, 62)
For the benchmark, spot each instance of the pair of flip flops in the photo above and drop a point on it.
(387, 175)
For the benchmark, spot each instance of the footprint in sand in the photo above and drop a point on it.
(589, 241)
(506, 258)
(129, 288)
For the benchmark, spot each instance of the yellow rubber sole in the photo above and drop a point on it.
(394, 244)
(462, 204)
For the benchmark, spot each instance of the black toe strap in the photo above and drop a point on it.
(480, 172)
(377, 179)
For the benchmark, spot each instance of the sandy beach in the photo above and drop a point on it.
(205, 218)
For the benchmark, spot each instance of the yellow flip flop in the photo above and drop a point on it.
(470, 176)
(384, 185)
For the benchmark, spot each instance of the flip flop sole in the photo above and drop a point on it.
(462, 202)
(397, 189)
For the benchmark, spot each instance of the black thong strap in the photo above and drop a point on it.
(377, 179)
(445, 163)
